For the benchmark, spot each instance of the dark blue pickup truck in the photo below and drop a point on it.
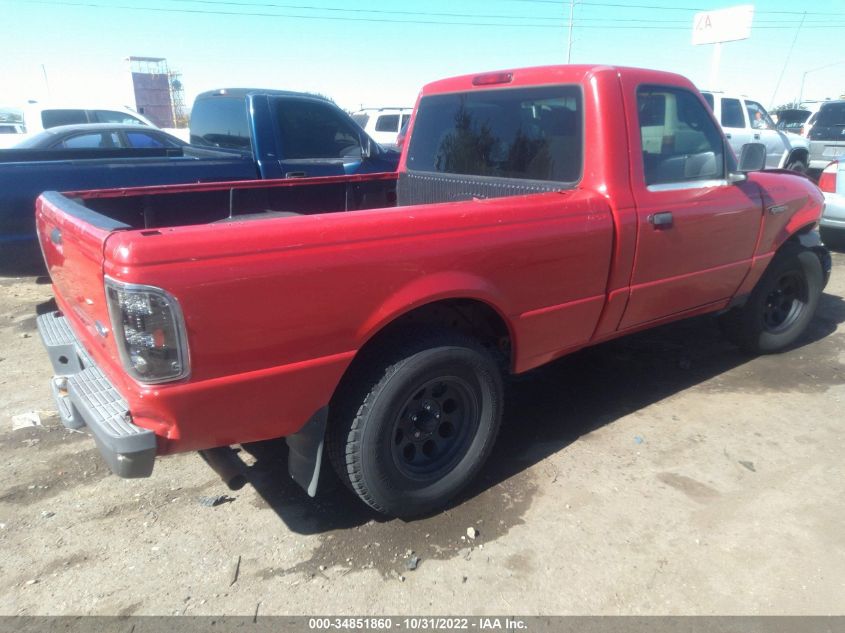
(237, 134)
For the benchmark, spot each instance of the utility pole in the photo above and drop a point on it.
(571, 17)
(46, 81)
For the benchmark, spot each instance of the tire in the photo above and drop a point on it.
(418, 423)
(781, 305)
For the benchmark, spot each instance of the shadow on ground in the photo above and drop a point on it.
(547, 410)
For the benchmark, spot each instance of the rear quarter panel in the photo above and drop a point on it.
(276, 309)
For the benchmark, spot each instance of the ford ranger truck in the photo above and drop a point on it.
(536, 212)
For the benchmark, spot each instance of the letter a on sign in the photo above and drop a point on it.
(724, 25)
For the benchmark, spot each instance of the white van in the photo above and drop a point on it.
(382, 124)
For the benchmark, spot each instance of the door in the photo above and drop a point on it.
(696, 232)
(314, 138)
(734, 123)
(763, 130)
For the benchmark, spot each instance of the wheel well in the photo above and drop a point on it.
(469, 316)
(799, 153)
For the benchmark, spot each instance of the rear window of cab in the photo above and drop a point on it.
(527, 133)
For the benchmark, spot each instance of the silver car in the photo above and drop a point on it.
(832, 183)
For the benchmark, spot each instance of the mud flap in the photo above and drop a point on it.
(306, 451)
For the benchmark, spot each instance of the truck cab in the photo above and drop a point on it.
(291, 134)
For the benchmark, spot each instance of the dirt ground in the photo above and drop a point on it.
(665, 473)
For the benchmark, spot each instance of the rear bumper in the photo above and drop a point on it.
(85, 397)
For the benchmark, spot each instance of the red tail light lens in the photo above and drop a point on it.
(827, 181)
(492, 78)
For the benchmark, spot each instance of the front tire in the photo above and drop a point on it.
(781, 305)
(418, 423)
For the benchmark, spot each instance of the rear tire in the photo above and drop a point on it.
(781, 305)
(418, 422)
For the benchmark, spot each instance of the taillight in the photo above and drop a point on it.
(149, 332)
(827, 181)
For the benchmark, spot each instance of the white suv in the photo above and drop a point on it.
(382, 124)
(746, 121)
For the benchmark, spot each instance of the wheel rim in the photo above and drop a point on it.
(435, 428)
(785, 303)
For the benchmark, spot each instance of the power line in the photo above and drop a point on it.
(653, 24)
(446, 15)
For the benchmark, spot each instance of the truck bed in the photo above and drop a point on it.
(187, 205)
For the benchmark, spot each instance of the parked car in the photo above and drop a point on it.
(383, 124)
(539, 211)
(827, 134)
(745, 121)
(36, 117)
(832, 183)
(100, 135)
(11, 128)
(792, 120)
(236, 134)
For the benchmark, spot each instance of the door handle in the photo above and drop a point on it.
(728, 135)
(295, 174)
(757, 136)
(661, 220)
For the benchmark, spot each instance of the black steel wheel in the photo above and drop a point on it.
(786, 301)
(434, 428)
(416, 420)
(781, 305)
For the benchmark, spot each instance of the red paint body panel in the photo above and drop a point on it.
(276, 309)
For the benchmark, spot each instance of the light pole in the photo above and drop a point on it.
(812, 70)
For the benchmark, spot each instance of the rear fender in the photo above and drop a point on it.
(440, 286)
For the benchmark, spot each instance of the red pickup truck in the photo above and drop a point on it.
(535, 212)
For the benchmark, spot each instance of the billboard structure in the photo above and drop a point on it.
(723, 25)
(157, 91)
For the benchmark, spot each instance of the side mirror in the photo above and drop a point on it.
(752, 157)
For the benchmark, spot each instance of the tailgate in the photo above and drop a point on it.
(72, 238)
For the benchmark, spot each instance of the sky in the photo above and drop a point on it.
(376, 53)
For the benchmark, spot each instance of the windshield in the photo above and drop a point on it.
(11, 115)
(831, 114)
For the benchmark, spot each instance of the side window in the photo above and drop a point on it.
(88, 141)
(313, 129)
(141, 139)
(53, 118)
(732, 113)
(220, 122)
(679, 139)
(526, 133)
(405, 119)
(709, 99)
(112, 116)
(387, 123)
(760, 119)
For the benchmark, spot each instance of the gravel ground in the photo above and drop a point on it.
(665, 473)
